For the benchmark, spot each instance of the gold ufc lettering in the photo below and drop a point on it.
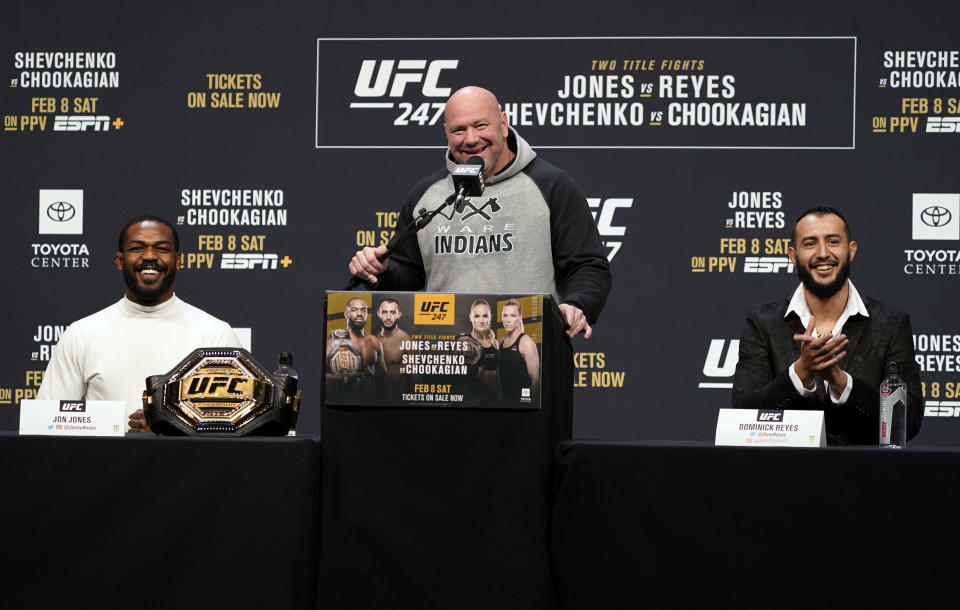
(215, 385)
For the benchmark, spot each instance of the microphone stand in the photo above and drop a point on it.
(422, 219)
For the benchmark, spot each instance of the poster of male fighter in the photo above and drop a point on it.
(414, 349)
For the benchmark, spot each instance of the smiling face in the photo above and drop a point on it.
(822, 253)
(149, 262)
(475, 126)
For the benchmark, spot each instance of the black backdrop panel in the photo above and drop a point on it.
(225, 121)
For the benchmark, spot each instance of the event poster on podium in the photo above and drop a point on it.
(415, 349)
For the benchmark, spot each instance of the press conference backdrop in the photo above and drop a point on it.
(280, 138)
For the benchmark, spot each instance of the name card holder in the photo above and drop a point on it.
(72, 417)
(770, 428)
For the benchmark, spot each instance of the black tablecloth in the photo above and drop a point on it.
(658, 525)
(148, 522)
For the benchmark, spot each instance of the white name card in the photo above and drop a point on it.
(770, 428)
(72, 417)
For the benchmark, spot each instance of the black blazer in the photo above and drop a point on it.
(767, 348)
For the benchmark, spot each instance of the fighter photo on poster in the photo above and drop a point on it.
(415, 349)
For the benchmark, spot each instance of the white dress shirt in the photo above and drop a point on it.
(798, 305)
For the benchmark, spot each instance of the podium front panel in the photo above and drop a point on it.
(444, 507)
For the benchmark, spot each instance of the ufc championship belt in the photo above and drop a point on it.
(473, 350)
(343, 357)
(221, 391)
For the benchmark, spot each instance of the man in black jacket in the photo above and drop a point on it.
(826, 348)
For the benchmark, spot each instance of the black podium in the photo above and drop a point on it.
(444, 507)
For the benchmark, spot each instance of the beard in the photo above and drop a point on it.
(824, 291)
(146, 294)
(388, 327)
(357, 325)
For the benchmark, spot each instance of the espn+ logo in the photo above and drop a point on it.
(937, 124)
(81, 123)
(767, 264)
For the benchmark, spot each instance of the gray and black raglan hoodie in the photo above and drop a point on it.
(531, 231)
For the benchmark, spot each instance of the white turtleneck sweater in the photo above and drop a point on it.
(109, 355)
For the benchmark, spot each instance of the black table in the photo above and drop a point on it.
(674, 525)
(148, 522)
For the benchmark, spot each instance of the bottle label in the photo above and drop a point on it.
(887, 400)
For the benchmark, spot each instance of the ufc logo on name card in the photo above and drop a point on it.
(769, 415)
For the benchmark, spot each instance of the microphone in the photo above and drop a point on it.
(467, 180)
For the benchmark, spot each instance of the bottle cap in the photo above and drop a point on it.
(285, 358)
(893, 369)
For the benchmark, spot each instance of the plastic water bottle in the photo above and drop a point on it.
(893, 409)
(285, 367)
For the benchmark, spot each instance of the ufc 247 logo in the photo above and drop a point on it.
(602, 211)
(434, 308)
(394, 76)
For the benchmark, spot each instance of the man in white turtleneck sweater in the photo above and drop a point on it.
(109, 355)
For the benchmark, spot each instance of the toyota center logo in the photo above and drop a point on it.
(61, 212)
(936, 216)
